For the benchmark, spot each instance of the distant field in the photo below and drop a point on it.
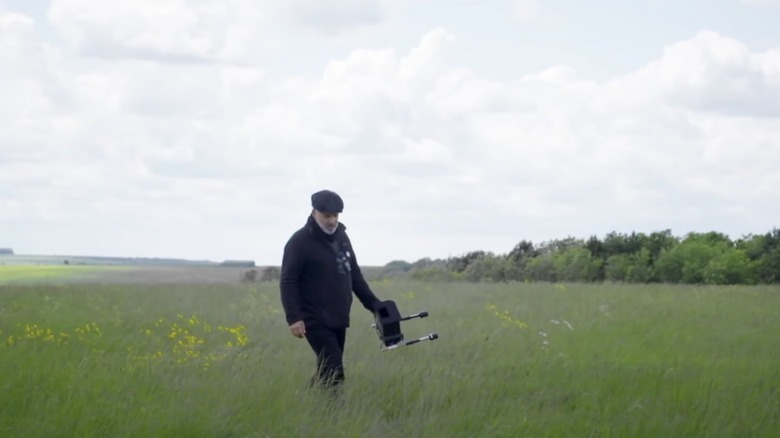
(129, 274)
(216, 359)
(35, 259)
(119, 274)
(31, 259)
(53, 273)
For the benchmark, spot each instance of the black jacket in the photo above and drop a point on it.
(319, 274)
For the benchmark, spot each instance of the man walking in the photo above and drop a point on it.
(319, 274)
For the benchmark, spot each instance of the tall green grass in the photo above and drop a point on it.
(511, 360)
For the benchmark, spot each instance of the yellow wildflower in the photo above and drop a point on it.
(506, 318)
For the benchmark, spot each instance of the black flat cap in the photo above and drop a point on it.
(327, 201)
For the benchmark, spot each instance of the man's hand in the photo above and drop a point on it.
(298, 329)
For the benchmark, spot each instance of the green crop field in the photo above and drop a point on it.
(116, 274)
(52, 273)
(217, 360)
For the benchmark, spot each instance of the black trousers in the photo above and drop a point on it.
(328, 346)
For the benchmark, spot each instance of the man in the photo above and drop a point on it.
(319, 274)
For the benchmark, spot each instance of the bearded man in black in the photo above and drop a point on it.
(318, 276)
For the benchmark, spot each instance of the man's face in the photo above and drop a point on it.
(328, 221)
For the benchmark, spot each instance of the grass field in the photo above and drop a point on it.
(117, 274)
(217, 360)
(52, 273)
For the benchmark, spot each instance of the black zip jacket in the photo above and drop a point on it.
(319, 274)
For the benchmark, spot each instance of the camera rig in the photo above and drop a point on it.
(387, 322)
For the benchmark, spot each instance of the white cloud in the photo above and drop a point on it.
(213, 160)
(715, 73)
(333, 17)
(238, 31)
(762, 2)
(170, 29)
(527, 10)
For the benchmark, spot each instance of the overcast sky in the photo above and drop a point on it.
(199, 128)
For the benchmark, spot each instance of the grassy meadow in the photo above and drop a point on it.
(217, 360)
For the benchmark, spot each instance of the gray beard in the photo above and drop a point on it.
(325, 230)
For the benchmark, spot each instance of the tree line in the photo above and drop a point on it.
(657, 257)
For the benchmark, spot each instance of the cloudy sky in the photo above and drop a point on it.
(199, 128)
